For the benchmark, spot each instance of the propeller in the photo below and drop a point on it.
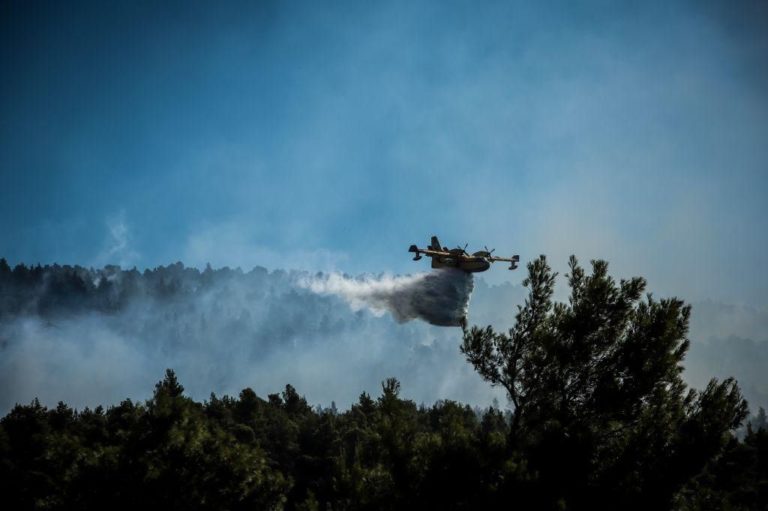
(486, 253)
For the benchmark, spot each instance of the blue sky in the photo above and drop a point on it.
(333, 135)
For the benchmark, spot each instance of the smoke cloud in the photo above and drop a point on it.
(90, 337)
(440, 298)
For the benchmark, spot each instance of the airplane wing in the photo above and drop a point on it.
(427, 252)
(514, 260)
(433, 250)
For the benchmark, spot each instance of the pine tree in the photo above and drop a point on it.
(601, 413)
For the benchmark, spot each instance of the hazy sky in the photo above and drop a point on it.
(323, 135)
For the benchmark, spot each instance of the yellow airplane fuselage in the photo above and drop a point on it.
(468, 264)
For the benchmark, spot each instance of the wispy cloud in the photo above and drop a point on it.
(117, 248)
(233, 243)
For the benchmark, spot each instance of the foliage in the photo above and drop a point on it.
(246, 453)
(601, 413)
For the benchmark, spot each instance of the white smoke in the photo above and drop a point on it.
(439, 298)
(223, 330)
(328, 335)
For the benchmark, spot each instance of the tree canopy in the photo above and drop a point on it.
(601, 413)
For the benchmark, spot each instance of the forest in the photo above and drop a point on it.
(599, 417)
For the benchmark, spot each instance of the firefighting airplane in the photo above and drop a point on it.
(459, 258)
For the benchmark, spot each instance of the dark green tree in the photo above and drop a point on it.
(5, 270)
(601, 413)
(736, 481)
(188, 462)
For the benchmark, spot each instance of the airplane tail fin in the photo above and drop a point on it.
(435, 244)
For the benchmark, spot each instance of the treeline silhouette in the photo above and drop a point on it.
(49, 290)
(600, 419)
(252, 453)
